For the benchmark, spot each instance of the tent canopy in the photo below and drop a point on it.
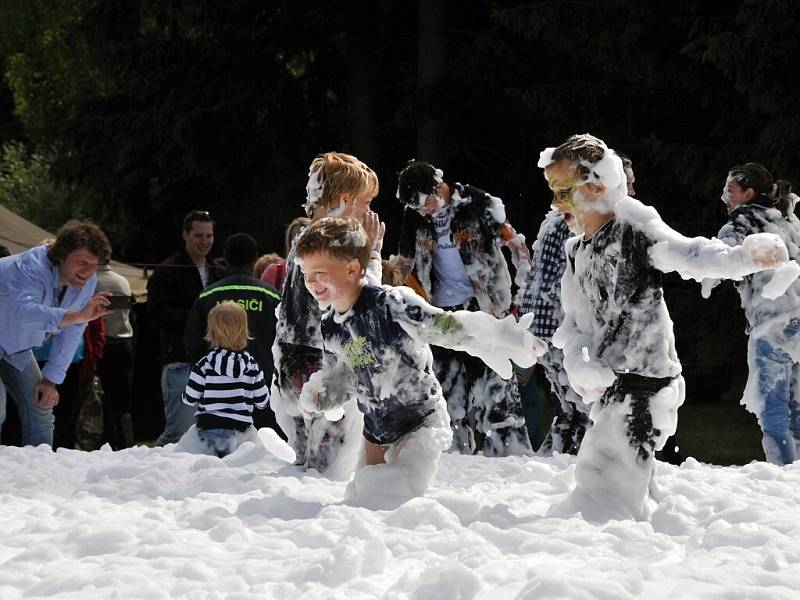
(19, 234)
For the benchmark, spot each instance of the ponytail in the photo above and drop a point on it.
(782, 197)
(768, 192)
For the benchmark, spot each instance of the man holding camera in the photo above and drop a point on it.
(47, 292)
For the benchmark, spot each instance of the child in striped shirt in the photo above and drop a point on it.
(225, 384)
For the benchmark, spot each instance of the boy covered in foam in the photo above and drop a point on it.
(376, 352)
(338, 185)
(452, 238)
(619, 348)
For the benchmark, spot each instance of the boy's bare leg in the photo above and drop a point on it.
(374, 454)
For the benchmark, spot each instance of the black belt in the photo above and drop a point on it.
(632, 383)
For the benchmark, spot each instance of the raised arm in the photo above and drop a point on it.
(495, 219)
(699, 257)
(495, 341)
(375, 229)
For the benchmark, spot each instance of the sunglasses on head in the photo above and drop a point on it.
(195, 215)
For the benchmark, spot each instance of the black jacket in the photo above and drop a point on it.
(479, 229)
(171, 290)
(256, 297)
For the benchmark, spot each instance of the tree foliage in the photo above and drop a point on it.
(155, 107)
(28, 188)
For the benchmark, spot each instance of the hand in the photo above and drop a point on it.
(45, 394)
(764, 250)
(309, 402)
(513, 343)
(96, 307)
(375, 229)
(588, 376)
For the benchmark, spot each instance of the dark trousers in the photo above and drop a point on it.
(114, 371)
(481, 402)
(68, 408)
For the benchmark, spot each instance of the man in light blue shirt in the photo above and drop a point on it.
(47, 292)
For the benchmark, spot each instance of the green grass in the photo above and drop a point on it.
(720, 433)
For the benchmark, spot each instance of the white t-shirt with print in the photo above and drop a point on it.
(451, 286)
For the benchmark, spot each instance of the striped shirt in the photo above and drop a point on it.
(225, 385)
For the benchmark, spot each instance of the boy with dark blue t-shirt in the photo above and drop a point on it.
(376, 352)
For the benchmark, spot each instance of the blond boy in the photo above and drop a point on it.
(338, 184)
(376, 353)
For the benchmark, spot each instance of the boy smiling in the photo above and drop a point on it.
(375, 342)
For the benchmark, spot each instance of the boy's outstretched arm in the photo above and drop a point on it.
(701, 258)
(497, 342)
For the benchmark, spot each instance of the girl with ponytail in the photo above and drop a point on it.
(757, 203)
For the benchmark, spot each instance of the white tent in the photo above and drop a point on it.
(19, 234)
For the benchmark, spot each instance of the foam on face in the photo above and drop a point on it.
(608, 172)
(314, 189)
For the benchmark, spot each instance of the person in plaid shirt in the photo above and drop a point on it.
(543, 298)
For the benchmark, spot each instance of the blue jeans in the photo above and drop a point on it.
(37, 422)
(777, 386)
(178, 416)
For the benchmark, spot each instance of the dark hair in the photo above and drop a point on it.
(196, 215)
(341, 238)
(78, 235)
(241, 250)
(417, 177)
(581, 147)
(768, 192)
(4, 251)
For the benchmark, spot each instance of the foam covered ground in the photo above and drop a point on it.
(151, 523)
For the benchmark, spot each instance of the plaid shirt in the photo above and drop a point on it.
(543, 290)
